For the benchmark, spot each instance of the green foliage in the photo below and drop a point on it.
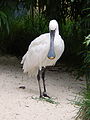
(22, 31)
(87, 51)
(72, 35)
(87, 60)
(36, 25)
(49, 100)
(85, 28)
(85, 69)
(73, 26)
(85, 19)
(87, 40)
(84, 111)
(3, 22)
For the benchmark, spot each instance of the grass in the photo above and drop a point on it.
(84, 103)
(49, 100)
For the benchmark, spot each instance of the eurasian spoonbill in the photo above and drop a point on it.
(43, 51)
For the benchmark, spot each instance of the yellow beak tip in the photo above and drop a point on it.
(51, 58)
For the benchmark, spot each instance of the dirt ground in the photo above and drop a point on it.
(17, 104)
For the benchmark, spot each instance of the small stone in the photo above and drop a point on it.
(22, 87)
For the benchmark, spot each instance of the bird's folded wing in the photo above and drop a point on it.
(35, 55)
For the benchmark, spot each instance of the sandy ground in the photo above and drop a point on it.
(17, 104)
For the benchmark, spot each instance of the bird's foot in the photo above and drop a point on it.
(41, 96)
(45, 95)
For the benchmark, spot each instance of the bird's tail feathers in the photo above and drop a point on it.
(23, 59)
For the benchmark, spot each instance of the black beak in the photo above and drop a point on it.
(51, 54)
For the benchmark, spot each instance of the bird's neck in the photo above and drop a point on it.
(57, 32)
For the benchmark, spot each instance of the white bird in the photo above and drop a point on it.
(43, 51)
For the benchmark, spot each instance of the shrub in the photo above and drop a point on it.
(84, 111)
(84, 104)
(72, 34)
(22, 31)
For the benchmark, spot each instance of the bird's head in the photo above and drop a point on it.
(53, 25)
(53, 28)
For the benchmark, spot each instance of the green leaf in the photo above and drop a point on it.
(4, 21)
(88, 15)
(87, 42)
(0, 22)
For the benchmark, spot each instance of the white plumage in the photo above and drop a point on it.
(44, 51)
(36, 56)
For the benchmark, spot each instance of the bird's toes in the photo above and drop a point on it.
(45, 95)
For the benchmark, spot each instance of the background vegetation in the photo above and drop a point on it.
(26, 19)
(23, 20)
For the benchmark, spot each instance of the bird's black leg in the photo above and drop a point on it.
(38, 78)
(43, 78)
(44, 85)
